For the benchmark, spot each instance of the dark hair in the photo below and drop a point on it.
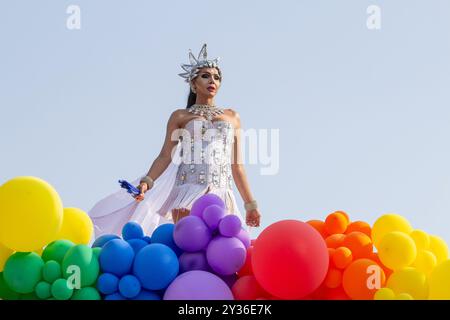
(191, 98)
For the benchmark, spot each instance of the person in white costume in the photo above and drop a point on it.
(201, 154)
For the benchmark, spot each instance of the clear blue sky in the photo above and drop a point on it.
(363, 114)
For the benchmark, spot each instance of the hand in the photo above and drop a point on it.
(143, 188)
(253, 218)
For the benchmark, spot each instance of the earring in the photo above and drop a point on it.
(194, 91)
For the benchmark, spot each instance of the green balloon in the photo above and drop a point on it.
(5, 291)
(87, 293)
(43, 290)
(81, 262)
(97, 251)
(57, 250)
(23, 271)
(61, 290)
(29, 296)
(51, 271)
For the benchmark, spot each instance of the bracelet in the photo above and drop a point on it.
(149, 181)
(251, 205)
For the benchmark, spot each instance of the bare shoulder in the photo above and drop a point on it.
(233, 116)
(177, 117)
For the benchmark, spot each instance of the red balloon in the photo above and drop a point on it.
(290, 259)
(247, 288)
(247, 267)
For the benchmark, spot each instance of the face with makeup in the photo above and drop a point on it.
(207, 82)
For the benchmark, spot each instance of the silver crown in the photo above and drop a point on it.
(197, 63)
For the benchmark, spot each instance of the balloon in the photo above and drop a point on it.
(247, 269)
(198, 285)
(51, 271)
(411, 281)
(212, 216)
(191, 234)
(43, 290)
(205, 201)
(104, 239)
(384, 294)
(226, 255)
(31, 214)
(404, 296)
(5, 253)
(439, 248)
(57, 250)
(421, 239)
(82, 257)
(440, 282)
(23, 271)
(319, 225)
(137, 244)
(61, 290)
(164, 234)
(342, 257)
(193, 261)
(77, 226)
(397, 250)
(117, 257)
(359, 244)
(362, 278)
(333, 278)
(129, 286)
(6, 293)
(360, 226)
(147, 295)
(162, 262)
(148, 239)
(96, 252)
(247, 288)
(290, 259)
(387, 271)
(336, 223)
(86, 293)
(230, 226)
(244, 236)
(386, 224)
(335, 241)
(108, 283)
(425, 261)
(230, 280)
(132, 230)
(115, 296)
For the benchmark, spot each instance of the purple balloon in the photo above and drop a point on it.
(212, 215)
(226, 255)
(230, 226)
(244, 236)
(191, 234)
(198, 285)
(193, 261)
(205, 201)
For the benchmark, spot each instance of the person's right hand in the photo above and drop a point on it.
(143, 188)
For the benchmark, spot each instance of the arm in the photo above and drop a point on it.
(240, 176)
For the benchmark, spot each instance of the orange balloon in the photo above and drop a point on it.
(360, 280)
(336, 223)
(333, 278)
(319, 225)
(359, 244)
(342, 257)
(344, 214)
(360, 226)
(335, 241)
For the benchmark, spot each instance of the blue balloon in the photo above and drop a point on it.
(132, 230)
(104, 239)
(116, 257)
(137, 244)
(115, 296)
(148, 239)
(147, 295)
(107, 283)
(156, 266)
(164, 234)
(129, 286)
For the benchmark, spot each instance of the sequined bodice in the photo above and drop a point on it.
(206, 149)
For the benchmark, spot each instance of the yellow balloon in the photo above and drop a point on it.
(425, 261)
(397, 250)
(384, 294)
(404, 296)
(388, 223)
(77, 226)
(421, 238)
(439, 248)
(440, 282)
(411, 281)
(5, 253)
(30, 214)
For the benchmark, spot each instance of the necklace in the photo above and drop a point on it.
(209, 111)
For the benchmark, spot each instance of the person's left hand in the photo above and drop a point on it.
(253, 218)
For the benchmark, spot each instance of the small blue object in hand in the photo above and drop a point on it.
(129, 187)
